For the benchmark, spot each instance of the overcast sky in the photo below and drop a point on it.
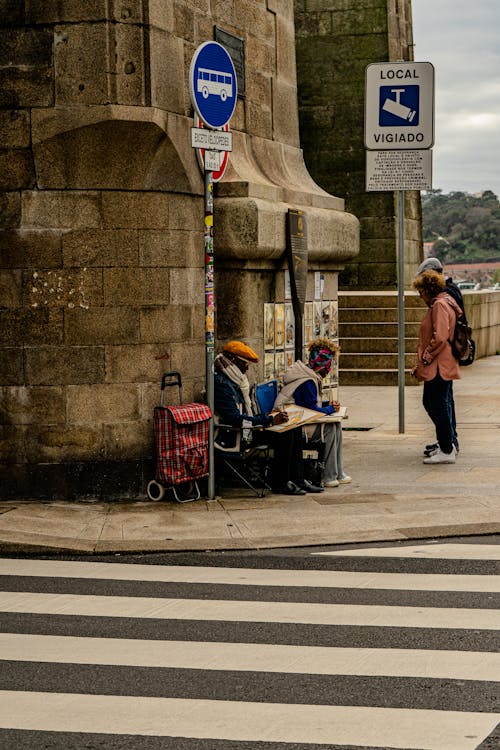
(461, 38)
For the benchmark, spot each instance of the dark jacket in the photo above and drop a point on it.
(230, 406)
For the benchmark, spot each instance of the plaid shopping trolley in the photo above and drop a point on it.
(181, 445)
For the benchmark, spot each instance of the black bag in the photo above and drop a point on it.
(462, 344)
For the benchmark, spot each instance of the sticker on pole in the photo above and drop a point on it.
(212, 84)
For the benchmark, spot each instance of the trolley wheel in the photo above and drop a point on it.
(155, 490)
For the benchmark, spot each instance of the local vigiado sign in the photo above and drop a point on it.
(399, 106)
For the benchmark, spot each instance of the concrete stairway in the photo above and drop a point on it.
(368, 332)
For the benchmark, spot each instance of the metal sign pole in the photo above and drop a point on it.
(209, 323)
(401, 309)
(213, 88)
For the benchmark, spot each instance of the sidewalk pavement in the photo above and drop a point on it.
(393, 495)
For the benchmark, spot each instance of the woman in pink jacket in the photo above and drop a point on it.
(436, 365)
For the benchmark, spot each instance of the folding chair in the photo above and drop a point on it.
(237, 453)
(238, 450)
(264, 396)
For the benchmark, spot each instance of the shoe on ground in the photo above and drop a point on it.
(345, 479)
(430, 449)
(290, 488)
(310, 487)
(441, 458)
(332, 483)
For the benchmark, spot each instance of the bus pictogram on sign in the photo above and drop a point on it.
(214, 82)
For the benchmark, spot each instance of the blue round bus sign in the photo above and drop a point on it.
(212, 84)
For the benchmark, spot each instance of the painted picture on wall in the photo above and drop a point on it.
(268, 326)
(268, 365)
(279, 365)
(279, 325)
(289, 326)
(308, 322)
(326, 319)
(317, 318)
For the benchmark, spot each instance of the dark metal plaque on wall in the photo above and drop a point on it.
(296, 241)
(236, 48)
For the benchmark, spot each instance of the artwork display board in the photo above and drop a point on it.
(321, 318)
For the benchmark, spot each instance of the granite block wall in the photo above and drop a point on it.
(101, 225)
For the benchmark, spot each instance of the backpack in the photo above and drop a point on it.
(462, 344)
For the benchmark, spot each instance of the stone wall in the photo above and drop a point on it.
(336, 40)
(101, 225)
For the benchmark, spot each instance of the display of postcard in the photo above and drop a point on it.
(335, 319)
(326, 318)
(308, 322)
(279, 364)
(289, 358)
(279, 326)
(268, 366)
(268, 325)
(289, 326)
(319, 284)
(317, 319)
(288, 286)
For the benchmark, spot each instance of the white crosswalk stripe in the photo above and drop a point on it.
(156, 666)
(455, 665)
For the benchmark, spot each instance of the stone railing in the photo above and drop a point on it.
(483, 312)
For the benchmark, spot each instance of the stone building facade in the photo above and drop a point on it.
(335, 41)
(101, 225)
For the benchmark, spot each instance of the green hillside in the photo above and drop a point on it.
(463, 227)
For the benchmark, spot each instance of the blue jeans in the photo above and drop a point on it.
(454, 434)
(437, 401)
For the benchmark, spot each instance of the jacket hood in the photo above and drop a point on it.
(298, 371)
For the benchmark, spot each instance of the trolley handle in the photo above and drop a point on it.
(169, 379)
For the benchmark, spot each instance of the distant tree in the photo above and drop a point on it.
(462, 226)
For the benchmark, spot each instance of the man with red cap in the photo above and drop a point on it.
(233, 406)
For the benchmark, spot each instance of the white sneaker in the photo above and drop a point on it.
(441, 458)
(332, 483)
(345, 479)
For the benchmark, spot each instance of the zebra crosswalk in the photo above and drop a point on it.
(390, 647)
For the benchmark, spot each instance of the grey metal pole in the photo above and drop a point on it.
(401, 309)
(209, 323)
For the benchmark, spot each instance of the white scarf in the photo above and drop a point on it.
(233, 372)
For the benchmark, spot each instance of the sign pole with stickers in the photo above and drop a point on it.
(213, 89)
(399, 135)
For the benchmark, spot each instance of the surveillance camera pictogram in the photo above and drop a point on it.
(399, 105)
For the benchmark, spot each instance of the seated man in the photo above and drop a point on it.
(233, 406)
(302, 385)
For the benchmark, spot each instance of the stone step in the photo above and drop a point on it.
(376, 330)
(379, 315)
(378, 300)
(361, 345)
(373, 377)
(375, 361)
